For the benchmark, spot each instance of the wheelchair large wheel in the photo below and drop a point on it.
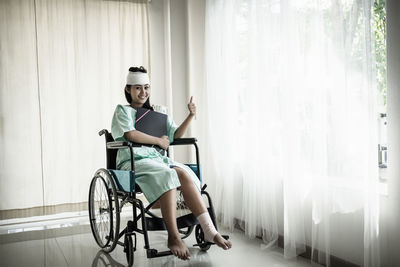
(104, 210)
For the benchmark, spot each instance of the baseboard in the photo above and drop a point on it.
(335, 261)
(42, 210)
(50, 210)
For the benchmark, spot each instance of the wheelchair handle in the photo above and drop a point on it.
(103, 132)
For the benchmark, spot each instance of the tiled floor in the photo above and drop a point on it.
(68, 241)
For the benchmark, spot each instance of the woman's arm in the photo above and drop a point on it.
(142, 138)
(183, 127)
(185, 124)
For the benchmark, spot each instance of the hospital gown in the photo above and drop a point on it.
(153, 171)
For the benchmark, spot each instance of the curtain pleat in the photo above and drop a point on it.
(20, 132)
(78, 65)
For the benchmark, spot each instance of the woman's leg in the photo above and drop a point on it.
(190, 193)
(155, 176)
(195, 203)
(168, 211)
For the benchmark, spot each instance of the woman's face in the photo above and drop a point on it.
(139, 94)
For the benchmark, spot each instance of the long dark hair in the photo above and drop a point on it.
(128, 86)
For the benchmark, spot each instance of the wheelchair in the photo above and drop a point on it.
(111, 189)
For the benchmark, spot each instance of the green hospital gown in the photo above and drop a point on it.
(153, 171)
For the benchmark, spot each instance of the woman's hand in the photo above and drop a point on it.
(192, 107)
(185, 124)
(163, 142)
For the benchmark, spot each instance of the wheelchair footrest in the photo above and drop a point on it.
(203, 244)
(153, 253)
(157, 224)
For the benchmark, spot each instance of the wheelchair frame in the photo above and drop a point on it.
(110, 207)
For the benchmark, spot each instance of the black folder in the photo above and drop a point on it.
(151, 122)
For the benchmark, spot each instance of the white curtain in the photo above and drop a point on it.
(292, 121)
(63, 67)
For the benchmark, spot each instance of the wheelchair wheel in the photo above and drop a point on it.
(129, 250)
(104, 210)
(203, 244)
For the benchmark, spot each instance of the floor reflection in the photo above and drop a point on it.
(104, 259)
(198, 258)
(70, 243)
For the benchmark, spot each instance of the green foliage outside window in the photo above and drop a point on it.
(380, 45)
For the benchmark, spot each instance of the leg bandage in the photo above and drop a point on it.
(208, 227)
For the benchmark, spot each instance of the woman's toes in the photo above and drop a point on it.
(222, 242)
(178, 248)
(228, 244)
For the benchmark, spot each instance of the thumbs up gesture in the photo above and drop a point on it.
(192, 107)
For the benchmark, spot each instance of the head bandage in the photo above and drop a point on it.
(140, 78)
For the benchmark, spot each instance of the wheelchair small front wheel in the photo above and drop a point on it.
(199, 234)
(129, 250)
(104, 210)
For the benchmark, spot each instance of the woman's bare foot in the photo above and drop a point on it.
(178, 248)
(222, 242)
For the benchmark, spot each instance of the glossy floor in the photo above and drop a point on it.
(66, 240)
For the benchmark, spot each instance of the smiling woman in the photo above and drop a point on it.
(158, 176)
(137, 91)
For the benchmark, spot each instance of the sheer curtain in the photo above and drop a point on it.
(292, 120)
(63, 66)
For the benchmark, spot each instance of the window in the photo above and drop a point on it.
(380, 48)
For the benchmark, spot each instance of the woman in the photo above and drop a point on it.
(157, 175)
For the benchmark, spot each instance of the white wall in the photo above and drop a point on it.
(179, 69)
(157, 52)
(179, 62)
(393, 106)
(179, 58)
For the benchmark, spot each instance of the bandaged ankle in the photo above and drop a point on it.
(207, 226)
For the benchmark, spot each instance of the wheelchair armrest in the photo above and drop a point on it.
(179, 141)
(184, 141)
(124, 144)
(118, 144)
